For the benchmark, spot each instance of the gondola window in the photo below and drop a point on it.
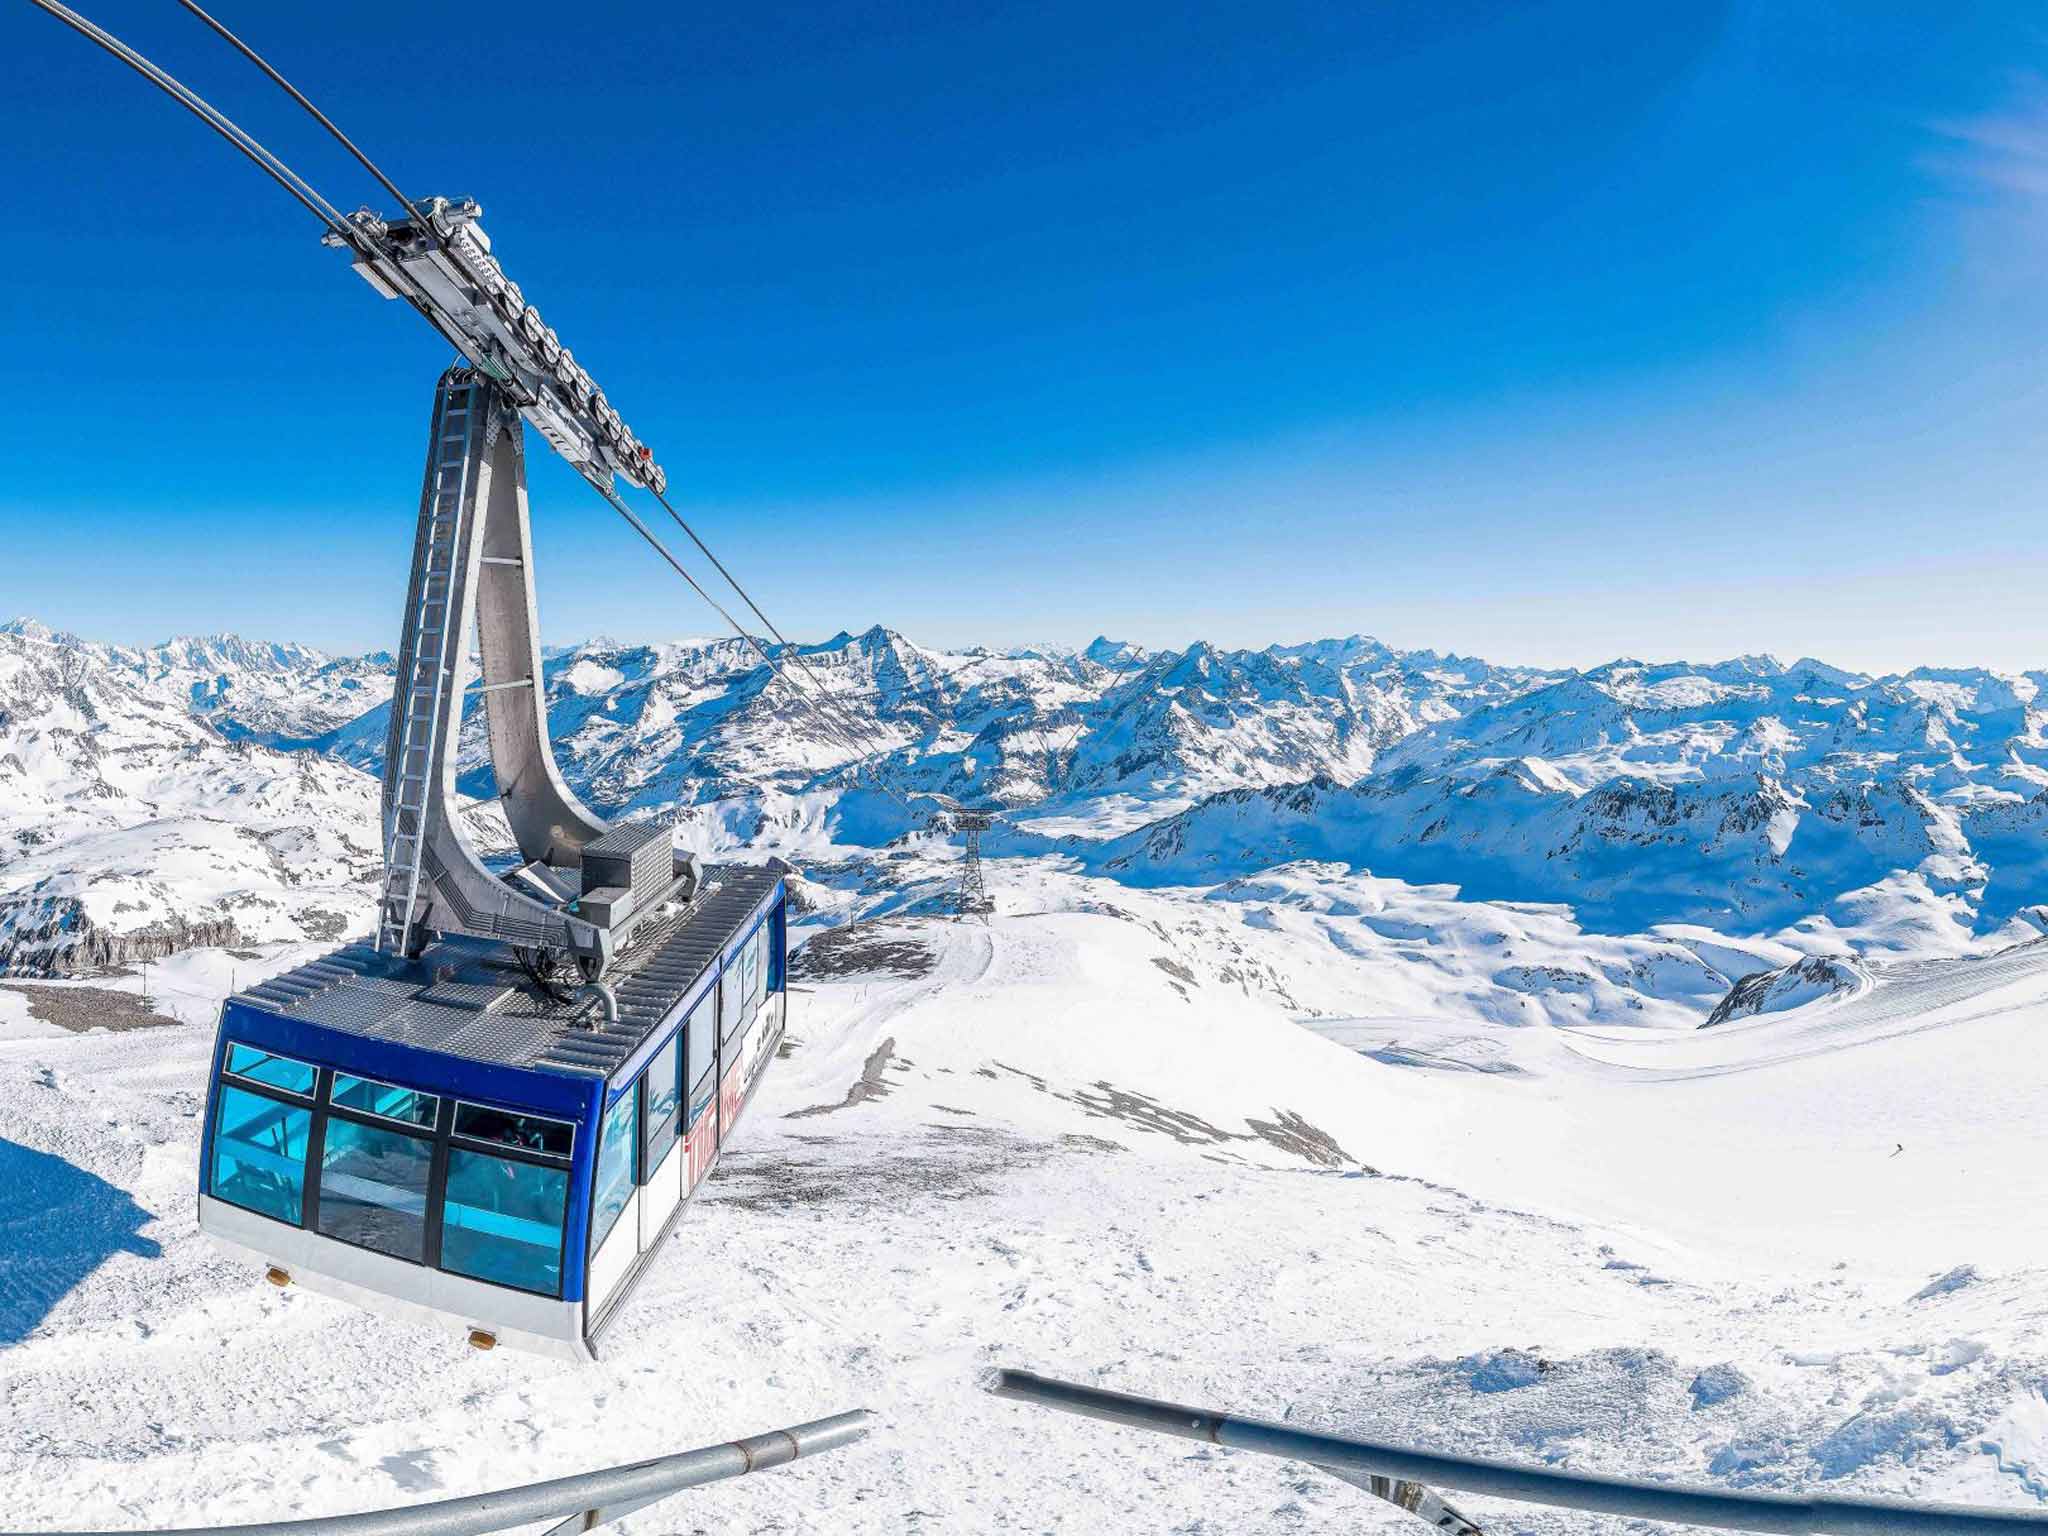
(260, 1066)
(732, 1016)
(701, 1047)
(529, 1133)
(750, 975)
(373, 1188)
(663, 1091)
(757, 978)
(502, 1221)
(614, 1182)
(259, 1154)
(406, 1105)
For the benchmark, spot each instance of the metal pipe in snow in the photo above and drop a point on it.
(1672, 1502)
(616, 1489)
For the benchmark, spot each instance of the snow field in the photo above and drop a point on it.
(1649, 1249)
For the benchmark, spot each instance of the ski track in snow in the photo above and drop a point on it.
(1658, 1251)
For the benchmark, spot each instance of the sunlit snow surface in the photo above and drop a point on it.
(1256, 1147)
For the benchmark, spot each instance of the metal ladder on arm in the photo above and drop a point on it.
(429, 664)
(471, 531)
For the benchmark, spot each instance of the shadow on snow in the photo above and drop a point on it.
(58, 1224)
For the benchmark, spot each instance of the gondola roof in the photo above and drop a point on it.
(469, 998)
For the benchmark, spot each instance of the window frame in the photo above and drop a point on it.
(447, 1150)
(758, 951)
(351, 1112)
(227, 1071)
(748, 965)
(512, 1149)
(701, 1019)
(441, 1138)
(778, 947)
(730, 1032)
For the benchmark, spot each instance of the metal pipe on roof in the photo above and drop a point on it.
(595, 1497)
(603, 993)
(1642, 1500)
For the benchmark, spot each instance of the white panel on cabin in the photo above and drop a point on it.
(615, 1256)
(660, 1195)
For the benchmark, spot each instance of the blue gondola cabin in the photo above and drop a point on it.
(445, 1142)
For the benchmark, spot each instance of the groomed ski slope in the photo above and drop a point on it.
(1831, 1131)
(1066, 1141)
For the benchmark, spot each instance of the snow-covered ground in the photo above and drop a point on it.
(1259, 1146)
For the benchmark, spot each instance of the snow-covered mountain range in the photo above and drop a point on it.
(212, 785)
(1902, 814)
(649, 727)
(135, 819)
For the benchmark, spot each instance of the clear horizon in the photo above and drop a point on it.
(1539, 334)
(555, 643)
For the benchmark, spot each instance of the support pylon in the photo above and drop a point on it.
(973, 899)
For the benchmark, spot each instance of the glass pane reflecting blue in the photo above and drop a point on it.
(613, 1184)
(534, 1133)
(663, 1086)
(702, 1092)
(373, 1188)
(730, 1014)
(259, 1154)
(664, 1097)
(752, 972)
(260, 1066)
(407, 1104)
(700, 1043)
(503, 1221)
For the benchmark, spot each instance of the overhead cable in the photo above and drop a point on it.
(208, 114)
(296, 95)
(733, 582)
(838, 724)
(831, 728)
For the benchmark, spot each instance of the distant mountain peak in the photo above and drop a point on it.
(202, 652)
(1106, 652)
(1760, 664)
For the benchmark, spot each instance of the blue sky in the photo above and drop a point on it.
(1543, 331)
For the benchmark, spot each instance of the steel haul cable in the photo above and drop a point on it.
(325, 121)
(263, 159)
(661, 549)
(733, 582)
